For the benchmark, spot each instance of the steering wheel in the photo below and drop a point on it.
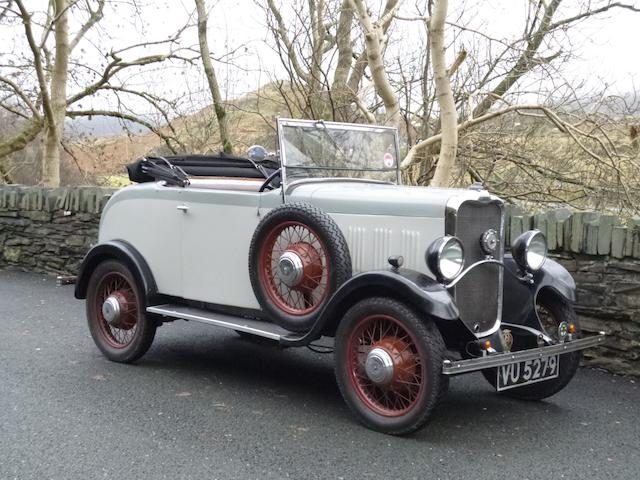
(267, 183)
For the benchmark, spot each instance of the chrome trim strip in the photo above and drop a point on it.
(283, 160)
(304, 181)
(292, 122)
(471, 267)
(455, 367)
(398, 161)
(254, 327)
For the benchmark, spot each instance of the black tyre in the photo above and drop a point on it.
(389, 365)
(116, 313)
(552, 310)
(297, 259)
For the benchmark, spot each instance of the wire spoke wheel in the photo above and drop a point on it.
(548, 321)
(116, 316)
(298, 258)
(389, 365)
(295, 268)
(400, 388)
(120, 332)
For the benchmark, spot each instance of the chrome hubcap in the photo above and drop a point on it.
(379, 366)
(111, 309)
(290, 268)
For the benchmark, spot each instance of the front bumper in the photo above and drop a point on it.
(456, 367)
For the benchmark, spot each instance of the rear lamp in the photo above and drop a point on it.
(445, 258)
(530, 250)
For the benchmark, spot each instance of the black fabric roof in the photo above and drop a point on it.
(220, 165)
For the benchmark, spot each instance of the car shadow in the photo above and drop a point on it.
(470, 408)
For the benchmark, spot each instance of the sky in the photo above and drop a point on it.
(604, 49)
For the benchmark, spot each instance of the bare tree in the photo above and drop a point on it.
(212, 80)
(44, 104)
(448, 114)
(486, 85)
(375, 43)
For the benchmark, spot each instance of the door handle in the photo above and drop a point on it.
(183, 208)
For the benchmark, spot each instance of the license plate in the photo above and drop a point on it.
(529, 371)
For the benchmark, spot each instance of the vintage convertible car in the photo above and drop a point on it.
(413, 284)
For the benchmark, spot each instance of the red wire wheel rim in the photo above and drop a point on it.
(120, 334)
(408, 383)
(310, 294)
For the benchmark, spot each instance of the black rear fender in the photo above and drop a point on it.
(123, 252)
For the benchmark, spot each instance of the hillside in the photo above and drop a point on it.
(107, 154)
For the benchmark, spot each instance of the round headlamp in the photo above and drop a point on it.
(530, 250)
(445, 258)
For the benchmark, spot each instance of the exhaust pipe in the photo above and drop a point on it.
(66, 280)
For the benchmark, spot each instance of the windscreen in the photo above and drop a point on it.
(316, 149)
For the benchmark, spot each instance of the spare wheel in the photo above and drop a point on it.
(297, 259)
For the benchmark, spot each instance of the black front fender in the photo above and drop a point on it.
(416, 289)
(123, 252)
(520, 297)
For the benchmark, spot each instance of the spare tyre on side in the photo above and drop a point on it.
(297, 259)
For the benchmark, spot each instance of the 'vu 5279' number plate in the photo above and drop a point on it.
(529, 371)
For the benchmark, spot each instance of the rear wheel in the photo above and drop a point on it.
(389, 364)
(552, 310)
(115, 313)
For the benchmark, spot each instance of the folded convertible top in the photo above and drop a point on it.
(173, 167)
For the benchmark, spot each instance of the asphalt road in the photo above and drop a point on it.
(204, 403)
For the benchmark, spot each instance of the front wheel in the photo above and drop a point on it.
(116, 315)
(389, 364)
(551, 310)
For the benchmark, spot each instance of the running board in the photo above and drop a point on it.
(240, 324)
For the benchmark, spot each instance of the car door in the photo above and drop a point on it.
(217, 228)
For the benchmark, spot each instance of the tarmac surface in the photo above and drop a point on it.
(204, 403)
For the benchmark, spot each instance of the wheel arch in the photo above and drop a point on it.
(123, 252)
(520, 297)
(417, 290)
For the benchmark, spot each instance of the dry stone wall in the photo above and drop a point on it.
(603, 256)
(50, 230)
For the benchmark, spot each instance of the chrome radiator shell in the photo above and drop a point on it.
(479, 293)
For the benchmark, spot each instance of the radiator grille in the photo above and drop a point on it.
(478, 293)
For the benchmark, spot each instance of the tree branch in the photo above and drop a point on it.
(20, 93)
(94, 17)
(35, 51)
(19, 141)
(124, 116)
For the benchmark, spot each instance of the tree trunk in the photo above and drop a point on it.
(373, 39)
(50, 175)
(448, 114)
(339, 91)
(221, 113)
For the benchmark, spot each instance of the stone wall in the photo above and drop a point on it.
(603, 256)
(50, 230)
